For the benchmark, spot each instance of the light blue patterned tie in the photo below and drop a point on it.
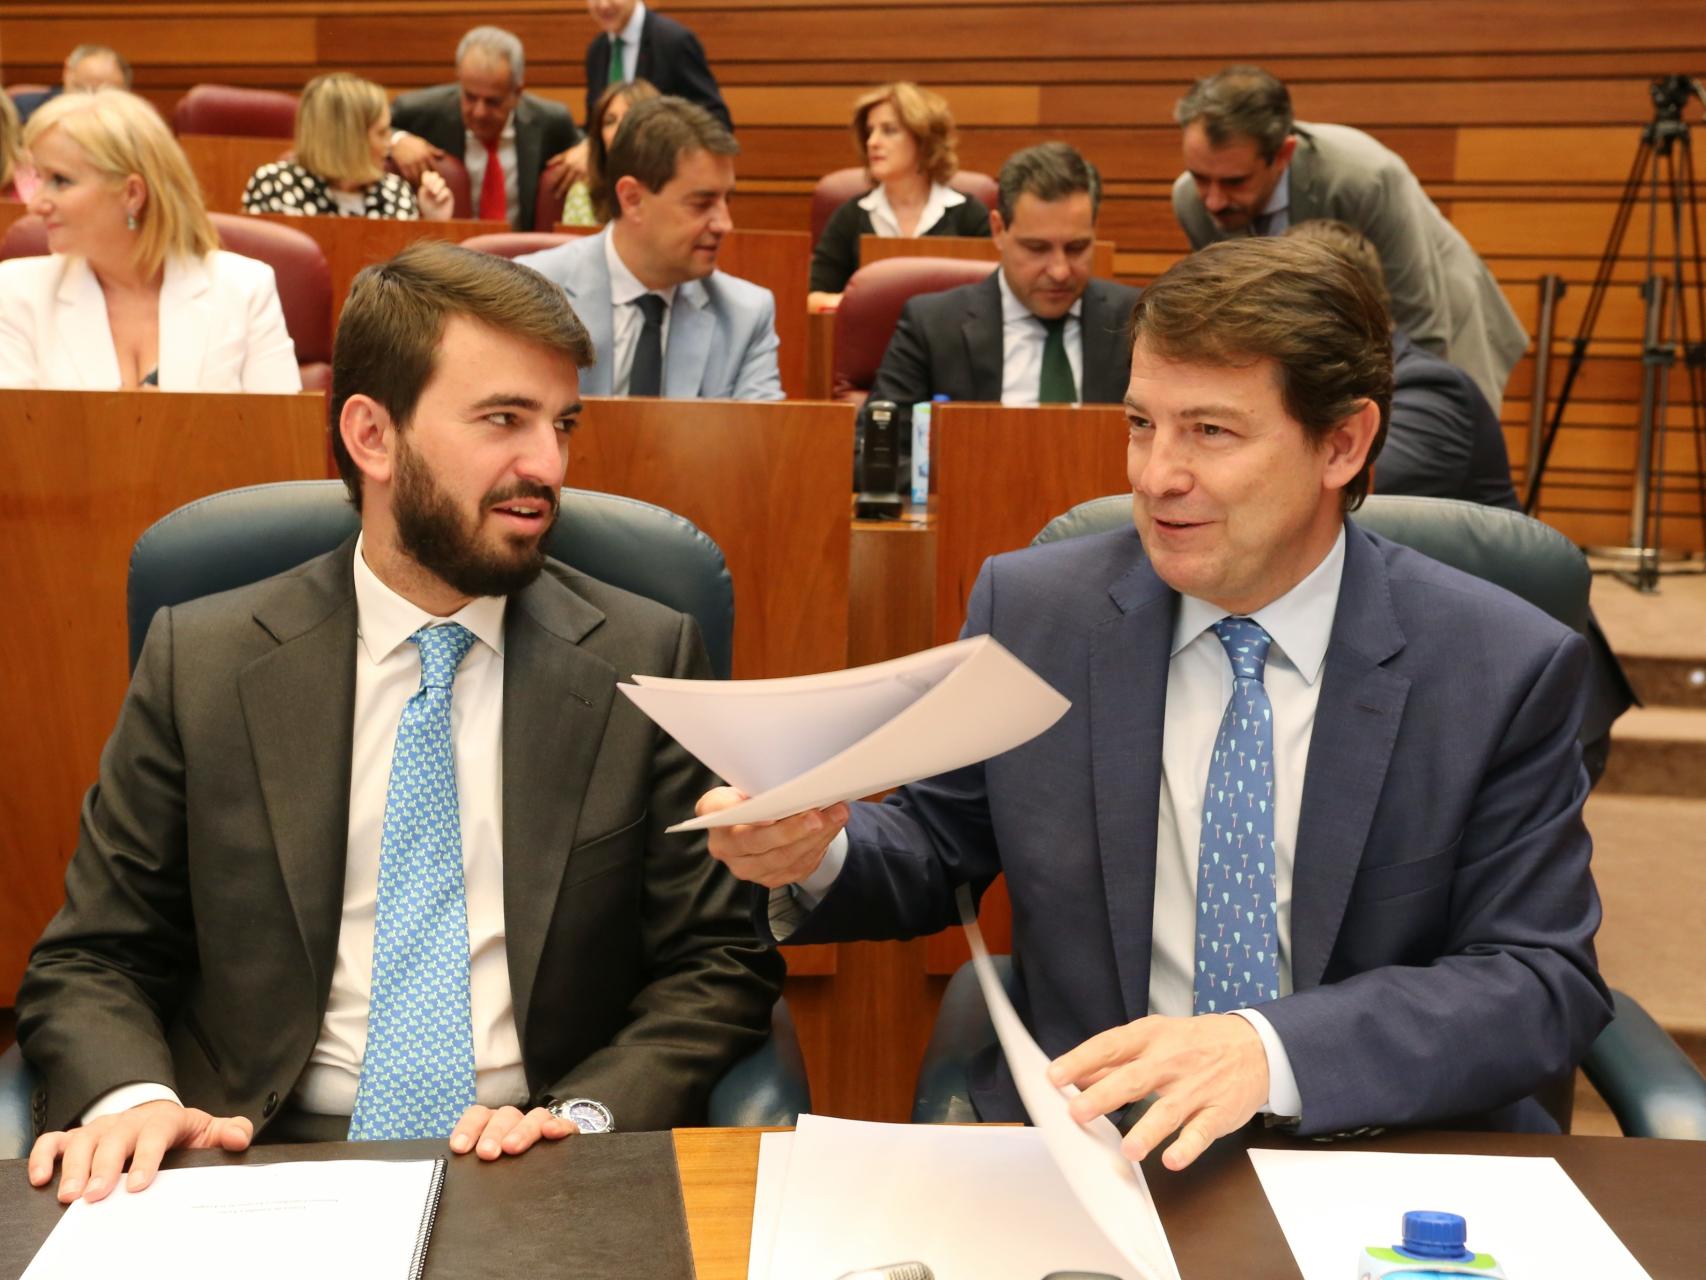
(417, 1077)
(1237, 964)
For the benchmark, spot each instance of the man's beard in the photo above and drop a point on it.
(433, 533)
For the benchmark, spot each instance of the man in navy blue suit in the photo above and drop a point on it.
(1309, 841)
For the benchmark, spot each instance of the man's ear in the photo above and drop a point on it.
(997, 228)
(1288, 148)
(629, 190)
(369, 437)
(1348, 444)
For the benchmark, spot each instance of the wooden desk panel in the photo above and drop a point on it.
(973, 248)
(10, 212)
(82, 474)
(780, 261)
(223, 166)
(1646, 1190)
(769, 483)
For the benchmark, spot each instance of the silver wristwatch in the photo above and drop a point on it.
(585, 1114)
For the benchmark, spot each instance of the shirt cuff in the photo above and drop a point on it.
(1283, 1099)
(124, 1098)
(791, 904)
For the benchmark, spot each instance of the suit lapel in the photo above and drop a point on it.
(299, 706)
(1128, 683)
(1306, 197)
(1356, 724)
(529, 143)
(643, 59)
(184, 341)
(691, 328)
(557, 697)
(981, 328)
(586, 281)
(1104, 338)
(80, 322)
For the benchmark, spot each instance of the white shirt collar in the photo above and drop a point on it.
(1281, 195)
(940, 200)
(1013, 310)
(630, 36)
(625, 286)
(384, 620)
(1300, 621)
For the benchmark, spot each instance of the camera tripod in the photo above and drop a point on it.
(1675, 322)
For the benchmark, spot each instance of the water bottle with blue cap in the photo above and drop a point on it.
(1435, 1246)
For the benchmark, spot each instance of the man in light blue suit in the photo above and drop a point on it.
(664, 320)
(1309, 841)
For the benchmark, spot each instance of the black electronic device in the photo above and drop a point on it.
(882, 440)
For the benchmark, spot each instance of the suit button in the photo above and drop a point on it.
(270, 1107)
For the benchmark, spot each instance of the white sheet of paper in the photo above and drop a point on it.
(974, 1202)
(1524, 1211)
(808, 741)
(263, 1222)
(1110, 1187)
(774, 1150)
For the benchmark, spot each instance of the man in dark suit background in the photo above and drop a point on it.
(87, 67)
(486, 113)
(1039, 329)
(297, 909)
(654, 48)
(1309, 840)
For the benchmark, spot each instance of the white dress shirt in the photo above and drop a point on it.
(387, 675)
(626, 318)
(474, 160)
(884, 222)
(629, 37)
(1022, 337)
(1199, 685)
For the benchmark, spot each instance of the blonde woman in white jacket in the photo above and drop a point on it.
(135, 291)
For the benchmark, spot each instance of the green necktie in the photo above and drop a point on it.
(1058, 386)
(618, 73)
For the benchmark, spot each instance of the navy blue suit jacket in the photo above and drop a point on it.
(671, 57)
(1444, 440)
(1442, 910)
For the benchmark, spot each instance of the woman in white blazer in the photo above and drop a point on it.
(135, 291)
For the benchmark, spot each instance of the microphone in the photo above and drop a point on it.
(894, 1271)
(877, 460)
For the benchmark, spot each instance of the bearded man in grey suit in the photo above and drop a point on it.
(1252, 169)
(376, 849)
(663, 319)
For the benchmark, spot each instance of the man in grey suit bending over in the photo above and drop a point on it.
(664, 320)
(376, 849)
(1252, 169)
(1309, 840)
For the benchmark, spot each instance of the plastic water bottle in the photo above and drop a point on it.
(921, 449)
(1434, 1247)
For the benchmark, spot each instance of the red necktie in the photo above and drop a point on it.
(493, 205)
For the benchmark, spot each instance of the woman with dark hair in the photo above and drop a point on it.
(588, 205)
(907, 137)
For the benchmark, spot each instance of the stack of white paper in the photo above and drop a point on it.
(808, 741)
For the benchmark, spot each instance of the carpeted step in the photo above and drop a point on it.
(1658, 751)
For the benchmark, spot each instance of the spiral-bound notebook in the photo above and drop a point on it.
(369, 1218)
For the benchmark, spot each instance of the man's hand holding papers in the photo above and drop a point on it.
(1209, 1073)
(772, 854)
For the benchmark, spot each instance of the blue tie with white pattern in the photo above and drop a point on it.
(417, 1075)
(1237, 963)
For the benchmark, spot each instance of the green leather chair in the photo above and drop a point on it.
(242, 536)
(1651, 1086)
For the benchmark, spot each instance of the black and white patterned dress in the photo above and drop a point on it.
(286, 187)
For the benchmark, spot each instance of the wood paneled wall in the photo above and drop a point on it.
(1520, 116)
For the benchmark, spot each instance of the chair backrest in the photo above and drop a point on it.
(455, 175)
(241, 536)
(512, 244)
(838, 187)
(235, 112)
(870, 309)
(298, 263)
(1510, 550)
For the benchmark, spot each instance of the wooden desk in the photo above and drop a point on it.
(974, 248)
(1646, 1190)
(10, 212)
(781, 262)
(82, 474)
(223, 166)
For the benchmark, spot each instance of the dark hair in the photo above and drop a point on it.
(632, 92)
(85, 51)
(1357, 248)
(654, 136)
(1240, 102)
(388, 336)
(1289, 299)
(1048, 171)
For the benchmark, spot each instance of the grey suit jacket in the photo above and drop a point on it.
(1442, 910)
(950, 344)
(203, 903)
(722, 329)
(542, 129)
(1443, 296)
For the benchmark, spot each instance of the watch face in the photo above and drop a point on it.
(587, 1116)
